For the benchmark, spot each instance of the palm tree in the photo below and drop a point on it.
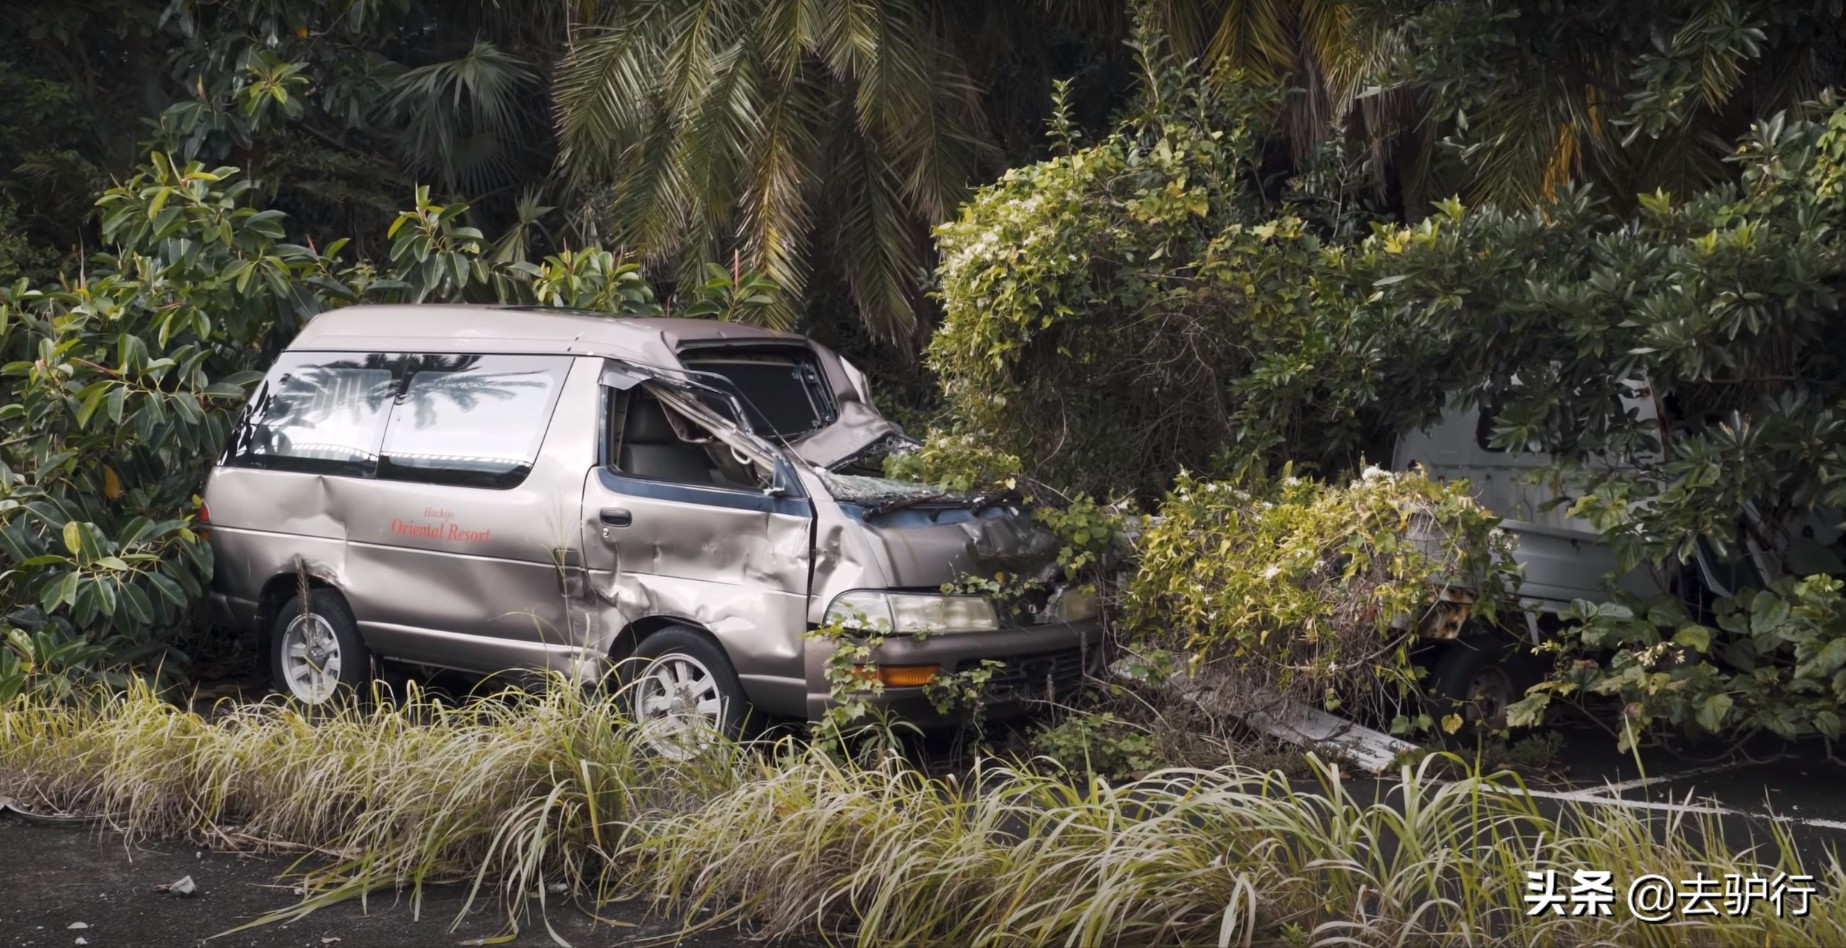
(772, 130)
(1333, 58)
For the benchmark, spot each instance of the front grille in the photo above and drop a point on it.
(1036, 675)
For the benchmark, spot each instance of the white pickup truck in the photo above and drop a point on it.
(1562, 558)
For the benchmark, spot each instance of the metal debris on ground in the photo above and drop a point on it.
(184, 888)
(10, 806)
(1282, 718)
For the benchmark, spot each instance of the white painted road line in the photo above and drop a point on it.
(1615, 789)
(1597, 799)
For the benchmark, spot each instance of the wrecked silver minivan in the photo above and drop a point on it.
(492, 488)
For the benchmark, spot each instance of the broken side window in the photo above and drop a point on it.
(653, 440)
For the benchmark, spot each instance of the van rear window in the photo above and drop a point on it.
(474, 420)
(318, 414)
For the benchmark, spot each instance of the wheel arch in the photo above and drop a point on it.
(627, 640)
(276, 592)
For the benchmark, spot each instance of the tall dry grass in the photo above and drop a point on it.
(515, 795)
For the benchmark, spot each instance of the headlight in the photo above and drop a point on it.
(1073, 605)
(896, 613)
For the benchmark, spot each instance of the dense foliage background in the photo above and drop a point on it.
(1096, 245)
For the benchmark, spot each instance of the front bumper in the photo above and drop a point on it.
(1038, 662)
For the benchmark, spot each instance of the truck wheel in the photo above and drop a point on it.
(1479, 677)
(683, 692)
(316, 654)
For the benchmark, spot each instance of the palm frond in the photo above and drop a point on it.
(777, 213)
(697, 37)
(877, 239)
(846, 33)
(462, 118)
(699, 122)
(1257, 36)
(606, 99)
(716, 133)
(923, 109)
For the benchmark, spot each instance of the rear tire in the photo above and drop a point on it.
(682, 691)
(316, 655)
(1478, 677)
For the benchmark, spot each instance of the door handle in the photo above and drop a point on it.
(617, 517)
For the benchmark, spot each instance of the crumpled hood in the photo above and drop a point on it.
(926, 545)
(859, 426)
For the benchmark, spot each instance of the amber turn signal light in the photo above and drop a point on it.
(907, 676)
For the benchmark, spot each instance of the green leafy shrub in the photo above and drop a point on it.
(959, 461)
(1118, 313)
(118, 387)
(1101, 744)
(1775, 662)
(1314, 590)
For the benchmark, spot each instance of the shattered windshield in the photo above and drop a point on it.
(878, 491)
(860, 479)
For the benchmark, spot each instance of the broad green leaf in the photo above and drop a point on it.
(168, 589)
(1712, 712)
(136, 603)
(90, 404)
(105, 597)
(68, 587)
(1695, 637)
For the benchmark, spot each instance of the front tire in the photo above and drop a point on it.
(682, 692)
(316, 654)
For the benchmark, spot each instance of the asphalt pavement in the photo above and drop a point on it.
(59, 884)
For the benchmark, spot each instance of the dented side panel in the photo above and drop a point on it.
(263, 522)
(478, 578)
(462, 577)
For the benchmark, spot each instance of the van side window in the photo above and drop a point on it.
(654, 441)
(1483, 430)
(473, 420)
(318, 413)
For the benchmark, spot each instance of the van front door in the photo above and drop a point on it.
(689, 519)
